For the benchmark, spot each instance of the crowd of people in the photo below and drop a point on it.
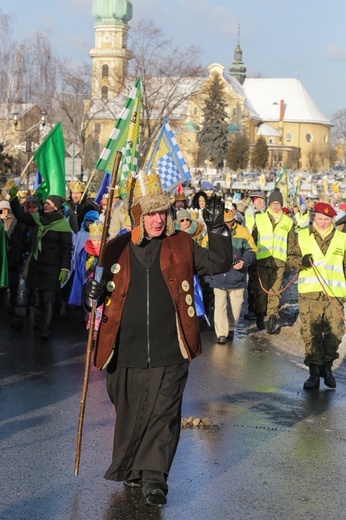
(165, 257)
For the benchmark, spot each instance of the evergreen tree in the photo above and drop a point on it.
(238, 153)
(5, 165)
(213, 137)
(260, 154)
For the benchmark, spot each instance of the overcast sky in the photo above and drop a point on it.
(279, 38)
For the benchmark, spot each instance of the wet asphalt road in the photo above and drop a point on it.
(273, 451)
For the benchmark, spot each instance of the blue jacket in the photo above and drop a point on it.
(244, 249)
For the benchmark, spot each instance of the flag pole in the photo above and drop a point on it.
(26, 167)
(98, 277)
(91, 176)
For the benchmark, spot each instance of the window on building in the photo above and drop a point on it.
(97, 128)
(104, 92)
(289, 137)
(309, 137)
(195, 111)
(105, 71)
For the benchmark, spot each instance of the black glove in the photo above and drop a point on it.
(213, 214)
(306, 260)
(93, 291)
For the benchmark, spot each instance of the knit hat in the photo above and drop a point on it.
(276, 196)
(258, 195)
(4, 204)
(57, 200)
(229, 214)
(145, 192)
(183, 213)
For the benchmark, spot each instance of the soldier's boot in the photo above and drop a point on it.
(313, 382)
(272, 328)
(327, 374)
(46, 320)
(260, 320)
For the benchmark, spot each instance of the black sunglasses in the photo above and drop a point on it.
(184, 219)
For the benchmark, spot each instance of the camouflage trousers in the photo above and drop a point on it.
(322, 327)
(272, 279)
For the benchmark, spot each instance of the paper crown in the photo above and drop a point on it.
(95, 230)
(194, 214)
(76, 186)
(143, 184)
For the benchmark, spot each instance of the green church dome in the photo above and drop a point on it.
(112, 11)
(191, 126)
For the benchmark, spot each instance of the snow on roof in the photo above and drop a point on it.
(265, 95)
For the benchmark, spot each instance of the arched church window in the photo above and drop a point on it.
(309, 137)
(289, 137)
(105, 71)
(104, 92)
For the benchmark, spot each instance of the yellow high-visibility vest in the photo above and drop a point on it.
(329, 267)
(272, 242)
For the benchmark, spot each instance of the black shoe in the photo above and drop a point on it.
(231, 335)
(156, 497)
(251, 315)
(327, 374)
(222, 340)
(260, 321)
(313, 382)
(133, 483)
(272, 328)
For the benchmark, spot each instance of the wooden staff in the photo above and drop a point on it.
(91, 176)
(98, 277)
(26, 167)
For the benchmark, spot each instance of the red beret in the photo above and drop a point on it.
(325, 209)
(286, 211)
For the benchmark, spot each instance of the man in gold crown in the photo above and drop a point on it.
(149, 330)
(80, 205)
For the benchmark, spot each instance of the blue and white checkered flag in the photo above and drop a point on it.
(167, 159)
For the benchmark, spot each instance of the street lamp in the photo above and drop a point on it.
(29, 138)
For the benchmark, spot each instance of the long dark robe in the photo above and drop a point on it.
(148, 415)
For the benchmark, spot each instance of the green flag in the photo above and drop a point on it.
(119, 136)
(50, 160)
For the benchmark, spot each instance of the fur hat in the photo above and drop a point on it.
(276, 196)
(147, 196)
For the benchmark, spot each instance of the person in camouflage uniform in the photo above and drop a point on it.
(320, 256)
(273, 232)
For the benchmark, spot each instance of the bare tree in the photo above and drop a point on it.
(169, 76)
(339, 132)
(313, 159)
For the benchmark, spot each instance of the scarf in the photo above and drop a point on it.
(323, 233)
(276, 216)
(48, 222)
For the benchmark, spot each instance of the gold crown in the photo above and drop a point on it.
(144, 184)
(95, 230)
(194, 214)
(22, 194)
(76, 186)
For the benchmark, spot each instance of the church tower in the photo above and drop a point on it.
(110, 56)
(237, 68)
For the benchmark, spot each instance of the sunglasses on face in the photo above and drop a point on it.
(184, 220)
